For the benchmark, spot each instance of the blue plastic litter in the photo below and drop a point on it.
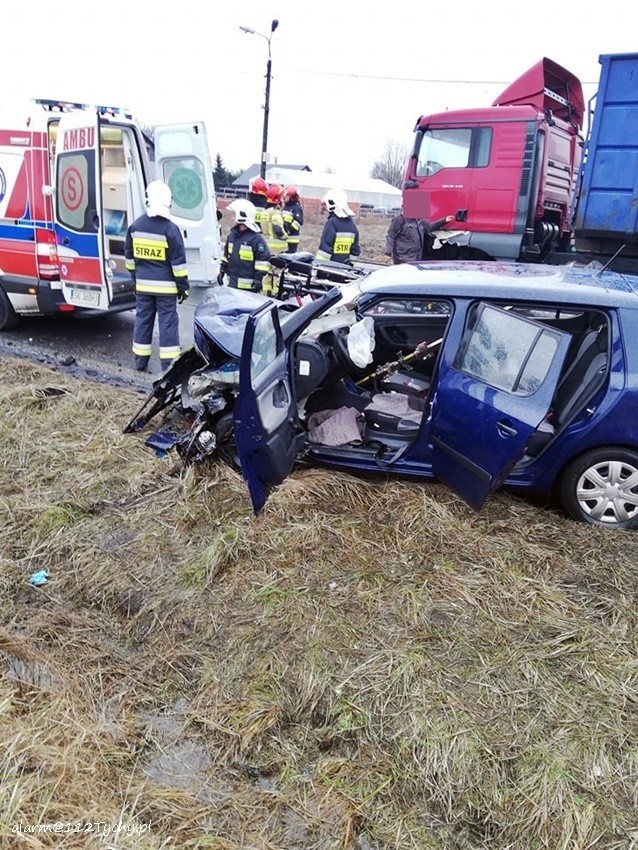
(39, 578)
(162, 441)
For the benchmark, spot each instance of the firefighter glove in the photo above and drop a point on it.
(182, 295)
(220, 278)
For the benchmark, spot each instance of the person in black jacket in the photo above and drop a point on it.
(293, 217)
(156, 258)
(340, 237)
(246, 256)
(406, 238)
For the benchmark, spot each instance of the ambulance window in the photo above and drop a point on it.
(53, 137)
(75, 191)
(186, 179)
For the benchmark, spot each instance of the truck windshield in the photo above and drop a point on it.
(458, 147)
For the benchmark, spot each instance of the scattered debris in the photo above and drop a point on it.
(39, 578)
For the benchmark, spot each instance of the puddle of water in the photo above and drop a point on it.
(176, 761)
(182, 765)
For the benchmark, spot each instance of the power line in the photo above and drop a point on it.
(415, 79)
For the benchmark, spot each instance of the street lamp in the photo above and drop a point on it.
(264, 143)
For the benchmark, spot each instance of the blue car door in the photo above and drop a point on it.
(490, 397)
(267, 430)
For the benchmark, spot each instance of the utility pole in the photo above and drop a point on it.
(264, 140)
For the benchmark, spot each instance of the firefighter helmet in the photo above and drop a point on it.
(335, 201)
(275, 193)
(258, 186)
(244, 212)
(291, 193)
(158, 199)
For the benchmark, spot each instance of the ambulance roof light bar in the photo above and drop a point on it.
(69, 106)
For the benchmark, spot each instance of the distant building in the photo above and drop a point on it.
(362, 193)
(243, 181)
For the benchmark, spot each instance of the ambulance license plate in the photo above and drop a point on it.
(83, 297)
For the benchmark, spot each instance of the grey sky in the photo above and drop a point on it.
(345, 78)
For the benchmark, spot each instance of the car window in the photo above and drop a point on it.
(264, 351)
(507, 351)
(407, 307)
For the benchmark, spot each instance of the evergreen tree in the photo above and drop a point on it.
(220, 175)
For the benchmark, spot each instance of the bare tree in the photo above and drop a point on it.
(391, 166)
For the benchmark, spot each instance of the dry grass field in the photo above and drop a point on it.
(366, 665)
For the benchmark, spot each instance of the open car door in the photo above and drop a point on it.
(182, 159)
(267, 430)
(489, 401)
(78, 211)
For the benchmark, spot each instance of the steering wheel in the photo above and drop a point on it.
(340, 347)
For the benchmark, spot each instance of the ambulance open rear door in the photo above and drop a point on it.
(182, 159)
(78, 212)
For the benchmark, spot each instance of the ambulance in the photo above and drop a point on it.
(72, 179)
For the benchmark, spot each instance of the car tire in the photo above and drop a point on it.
(8, 316)
(226, 444)
(601, 488)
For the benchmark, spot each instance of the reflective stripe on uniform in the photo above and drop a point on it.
(244, 283)
(262, 266)
(169, 352)
(156, 287)
(180, 270)
(141, 349)
(322, 255)
(343, 243)
(246, 253)
(149, 246)
(276, 245)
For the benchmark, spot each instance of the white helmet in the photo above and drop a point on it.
(336, 202)
(158, 199)
(244, 212)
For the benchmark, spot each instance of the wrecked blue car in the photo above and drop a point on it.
(479, 375)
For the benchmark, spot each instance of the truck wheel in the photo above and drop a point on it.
(8, 317)
(601, 487)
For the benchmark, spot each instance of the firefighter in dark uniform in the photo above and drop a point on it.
(340, 237)
(274, 232)
(293, 217)
(257, 191)
(156, 258)
(246, 257)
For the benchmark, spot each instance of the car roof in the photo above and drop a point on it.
(481, 279)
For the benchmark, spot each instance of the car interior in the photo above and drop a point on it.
(388, 398)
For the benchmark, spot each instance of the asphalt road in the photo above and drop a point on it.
(97, 348)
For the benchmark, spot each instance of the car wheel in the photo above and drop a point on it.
(226, 444)
(601, 488)
(8, 317)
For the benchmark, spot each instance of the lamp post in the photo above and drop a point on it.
(264, 141)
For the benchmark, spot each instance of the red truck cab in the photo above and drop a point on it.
(506, 172)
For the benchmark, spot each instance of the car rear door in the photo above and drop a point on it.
(182, 159)
(267, 430)
(78, 211)
(491, 397)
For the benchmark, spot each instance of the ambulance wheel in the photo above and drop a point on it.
(8, 317)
